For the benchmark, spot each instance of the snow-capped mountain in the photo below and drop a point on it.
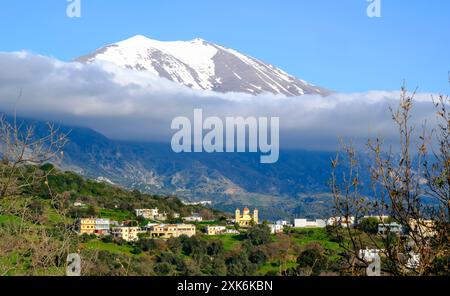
(200, 64)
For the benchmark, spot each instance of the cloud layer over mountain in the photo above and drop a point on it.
(130, 105)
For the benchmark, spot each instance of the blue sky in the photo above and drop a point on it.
(328, 42)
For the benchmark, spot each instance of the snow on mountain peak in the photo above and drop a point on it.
(200, 64)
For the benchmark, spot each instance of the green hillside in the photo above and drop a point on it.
(37, 233)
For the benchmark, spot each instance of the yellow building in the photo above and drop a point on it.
(172, 230)
(129, 234)
(86, 226)
(246, 219)
(97, 226)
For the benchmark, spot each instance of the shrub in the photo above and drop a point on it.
(107, 239)
(258, 257)
(313, 259)
(136, 251)
(215, 248)
(259, 235)
(163, 268)
(369, 225)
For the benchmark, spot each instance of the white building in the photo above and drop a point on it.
(232, 231)
(102, 225)
(166, 231)
(282, 223)
(215, 230)
(149, 226)
(198, 203)
(390, 228)
(231, 221)
(275, 228)
(147, 213)
(369, 254)
(305, 223)
(79, 204)
(161, 217)
(193, 218)
(342, 221)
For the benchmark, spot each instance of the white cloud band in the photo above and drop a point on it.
(125, 104)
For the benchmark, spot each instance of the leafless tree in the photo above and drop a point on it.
(22, 153)
(21, 147)
(411, 186)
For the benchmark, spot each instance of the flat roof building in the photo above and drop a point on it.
(166, 231)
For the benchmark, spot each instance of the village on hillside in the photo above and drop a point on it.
(156, 228)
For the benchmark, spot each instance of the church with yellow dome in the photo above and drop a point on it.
(246, 219)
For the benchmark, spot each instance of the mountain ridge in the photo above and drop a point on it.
(297, 184)
(200, 64)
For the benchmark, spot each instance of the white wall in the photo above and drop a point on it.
(303, 223)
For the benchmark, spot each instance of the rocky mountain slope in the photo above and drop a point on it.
(200, 64)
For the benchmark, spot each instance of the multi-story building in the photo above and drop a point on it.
(246, 219)
(149, 226)
(193, 218)
(86, 226)
(147, 213)
(129, 234)
(275, 228)
(93, 226)
(172, 230)
(215, 230)
(342, 221)
(305, 223)
(161, 217)
(102, 226)
(282, 223)
(390, 228)
(370, 254)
